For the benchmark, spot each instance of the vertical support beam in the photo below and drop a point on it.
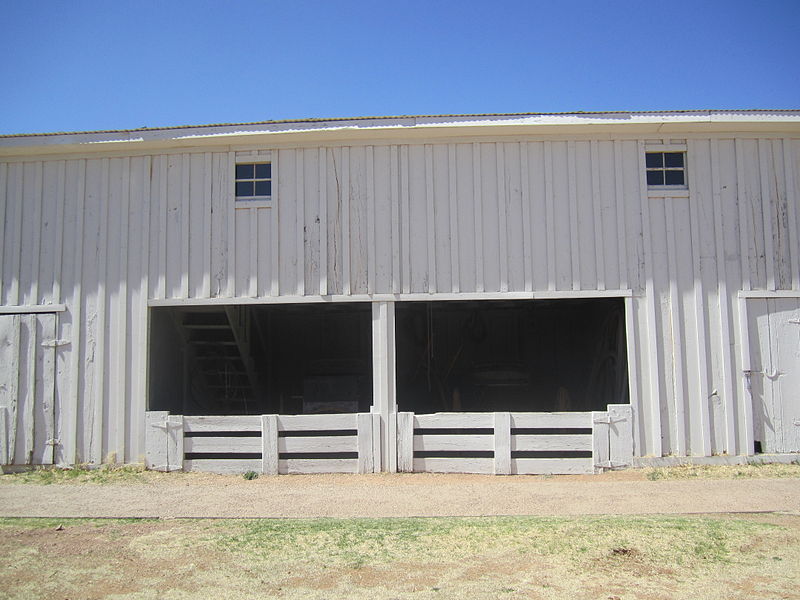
(632, 349)
(405, 442)
(620, 441)
(384, 401)
(269, 444)
(155, 440)
(601, 454)
(502, 443)
(746, 422)
(174, 442)
(365, 448)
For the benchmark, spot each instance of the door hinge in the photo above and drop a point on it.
(609, 420)
(55, 343)
(168, 425)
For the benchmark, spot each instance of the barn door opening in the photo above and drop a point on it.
(27, 388)
(270, 359)
(774, 376)
(517, 355)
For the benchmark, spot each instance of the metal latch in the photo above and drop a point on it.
(53, 442)
(55, 343)
(166, 425)
(609, 420)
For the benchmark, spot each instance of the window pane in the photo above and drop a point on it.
(244, 171)
(263, 188)
(673, 159)
(655, 178)
(674, 177)
(244, 188)
(264, 171)
(654, 160)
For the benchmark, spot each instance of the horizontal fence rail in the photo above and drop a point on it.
(515, 443)
(268, 444)
(502, 443)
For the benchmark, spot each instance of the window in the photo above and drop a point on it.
(253, 181)
(665, 168)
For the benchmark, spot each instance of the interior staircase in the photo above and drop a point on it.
(219, 362)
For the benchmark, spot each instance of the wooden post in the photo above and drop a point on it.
(600, 448)
(502, 443)
(269, 444)
(384, 402)
(405, 442)
(174, 430)
(155, 440)
(620, 441)
(366, 459)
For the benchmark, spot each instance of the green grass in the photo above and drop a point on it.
(654, 540)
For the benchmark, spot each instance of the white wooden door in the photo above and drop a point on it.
(27, 388)
(774, 327)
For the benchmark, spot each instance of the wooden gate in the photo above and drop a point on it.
(516, 443)
(27, 388)
(774, 375)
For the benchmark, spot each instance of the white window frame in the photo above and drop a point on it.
(669, 191)
(252, 201)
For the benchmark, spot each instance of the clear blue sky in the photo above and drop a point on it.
(119, 64)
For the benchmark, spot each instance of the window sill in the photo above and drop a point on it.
(252, 204)
(668, 192)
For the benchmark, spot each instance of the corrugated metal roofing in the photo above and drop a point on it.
(483, 116)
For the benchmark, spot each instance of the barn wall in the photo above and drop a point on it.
(105, 235)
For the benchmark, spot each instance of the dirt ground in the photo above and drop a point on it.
(704, 557)
(200, 495)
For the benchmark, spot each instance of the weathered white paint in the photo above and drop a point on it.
(610, 441)
(28, 350)
(167, 443)
(391, 211)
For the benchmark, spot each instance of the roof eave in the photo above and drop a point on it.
(277, 133)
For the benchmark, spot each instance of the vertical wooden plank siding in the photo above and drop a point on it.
(3, 207)
(702, 408)
(574, 235)
(654, 355)
(539, 214)
(599, 245)
(792, 211)
(724, 310)
(323, 221)
(452, 191)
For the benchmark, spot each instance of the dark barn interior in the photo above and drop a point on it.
(519, 355)
(537, 355)
(269, 359)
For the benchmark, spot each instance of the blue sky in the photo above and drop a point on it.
(119, 64)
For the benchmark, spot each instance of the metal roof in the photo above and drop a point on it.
(430, 119)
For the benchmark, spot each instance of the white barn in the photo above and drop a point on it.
(521, 293)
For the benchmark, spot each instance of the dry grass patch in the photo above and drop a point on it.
(756, 470)
(377, 559)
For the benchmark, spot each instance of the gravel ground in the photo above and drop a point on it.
(385, 495)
